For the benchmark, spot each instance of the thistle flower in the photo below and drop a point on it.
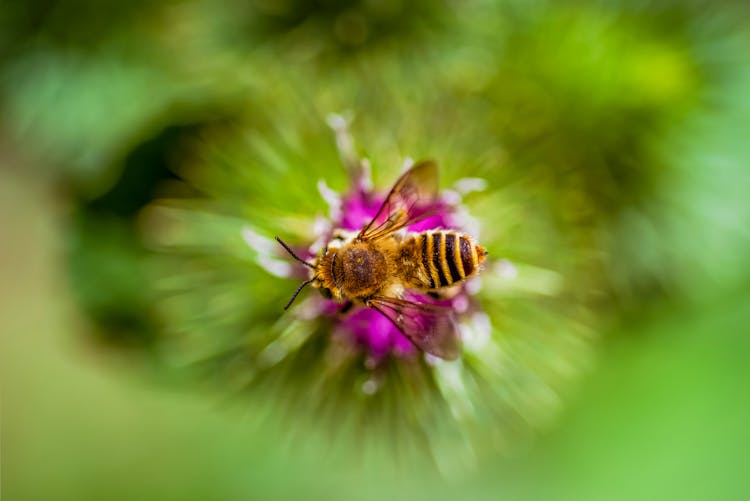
(354, 371)
(365, 328)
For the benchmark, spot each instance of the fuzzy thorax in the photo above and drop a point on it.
(358, 270)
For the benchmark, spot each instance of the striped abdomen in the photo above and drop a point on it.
(445, 257)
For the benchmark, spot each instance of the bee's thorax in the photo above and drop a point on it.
(361, 268)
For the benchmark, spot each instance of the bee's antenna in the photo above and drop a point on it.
(295, 256)
(294, 296)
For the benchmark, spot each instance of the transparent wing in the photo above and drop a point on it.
(408, 202)
(431, 328)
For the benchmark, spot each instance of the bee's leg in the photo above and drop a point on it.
(435, 295)
(346, 307)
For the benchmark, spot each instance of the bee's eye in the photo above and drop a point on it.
(326, 293)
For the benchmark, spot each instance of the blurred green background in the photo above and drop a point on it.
(612, 137)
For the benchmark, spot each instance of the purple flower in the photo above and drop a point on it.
(359, 328)
(518, 347)
(364, 328)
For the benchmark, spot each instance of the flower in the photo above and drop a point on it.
(365, 328)
(223, 300)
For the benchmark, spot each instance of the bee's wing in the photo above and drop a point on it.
(430, 327)
(407, 203)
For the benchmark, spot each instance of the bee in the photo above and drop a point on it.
(375, 266)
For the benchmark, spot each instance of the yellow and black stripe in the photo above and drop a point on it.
(448, 257)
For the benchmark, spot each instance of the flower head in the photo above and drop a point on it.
(354, 366)
(373, 330)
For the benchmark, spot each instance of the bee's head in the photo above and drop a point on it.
(323, 277)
